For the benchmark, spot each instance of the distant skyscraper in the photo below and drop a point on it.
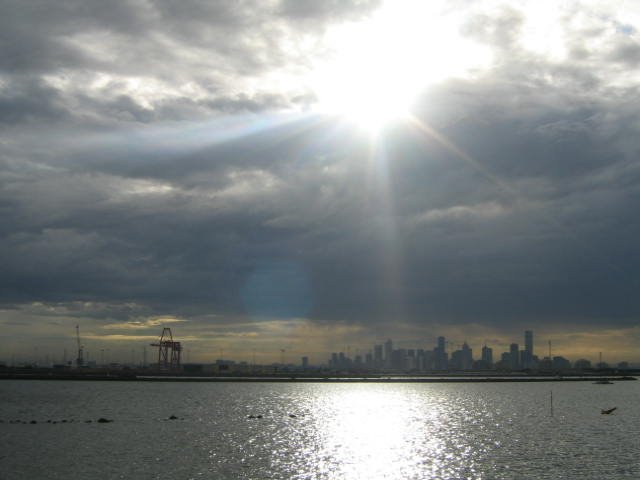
(399, 359)
(368, 360)
(440, 355)
(305, 362)
(378, 359)
(514, 356)
(462, 359)
(487, 356)
(467, 356)
(388, 352)
(342, 360)
(527, 360)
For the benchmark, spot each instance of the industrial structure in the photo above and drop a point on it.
(168, 351)
(80, 357)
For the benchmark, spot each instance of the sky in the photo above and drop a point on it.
(315, 176)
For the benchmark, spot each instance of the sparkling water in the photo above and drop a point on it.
(318, 430)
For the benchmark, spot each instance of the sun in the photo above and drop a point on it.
(367, 103)
(379, 67)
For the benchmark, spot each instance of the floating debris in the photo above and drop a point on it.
(104, 420)
(291, 415)
(173, 417)
(609, 411)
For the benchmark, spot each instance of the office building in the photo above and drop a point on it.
(514, 357)
(388, 352)
(440, 353)
(487, 356)
(527, 357)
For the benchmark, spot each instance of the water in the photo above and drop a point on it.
(353, 431)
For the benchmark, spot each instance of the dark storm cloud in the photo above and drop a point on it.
(25, 99)
(106, 203)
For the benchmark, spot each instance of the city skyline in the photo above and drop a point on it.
(381, 352)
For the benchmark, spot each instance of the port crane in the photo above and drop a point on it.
(168, 351)
(80, 358)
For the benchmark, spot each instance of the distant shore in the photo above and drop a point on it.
(440, 378)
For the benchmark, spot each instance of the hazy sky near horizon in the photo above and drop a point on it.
(312, 174)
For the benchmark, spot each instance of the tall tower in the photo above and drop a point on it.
(388, 351)
(528, 349)
(487, 356)
(440, 354)
(513, 356)
(377, 356)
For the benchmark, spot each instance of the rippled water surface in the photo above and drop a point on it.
(318, 431)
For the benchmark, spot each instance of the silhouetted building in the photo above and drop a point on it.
(462, 359)
(411, 360)
(487, 356)
(505, 360)
(582, 364)
(343, 361)
(440, 353)
(399, 359)
(305, 363)
(388, 351)
(420, 359)
(514, 355)
(429, 361)
(527, 357)
(561, 363)
(378, 359)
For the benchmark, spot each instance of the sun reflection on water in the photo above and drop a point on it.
(379, 433)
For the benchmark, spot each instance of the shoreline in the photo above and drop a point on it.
(316, 379)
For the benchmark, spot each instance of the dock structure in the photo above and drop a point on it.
(168, 351)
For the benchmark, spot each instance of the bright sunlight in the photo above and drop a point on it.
(378, 68)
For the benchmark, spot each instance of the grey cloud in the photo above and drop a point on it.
(219, 217)
(84, 52)
(627, 52)
(28, 100)
(320, 11)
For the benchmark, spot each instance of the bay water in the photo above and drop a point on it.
(318, 430)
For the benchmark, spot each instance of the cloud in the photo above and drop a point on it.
(142, 324)
(161, 164)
